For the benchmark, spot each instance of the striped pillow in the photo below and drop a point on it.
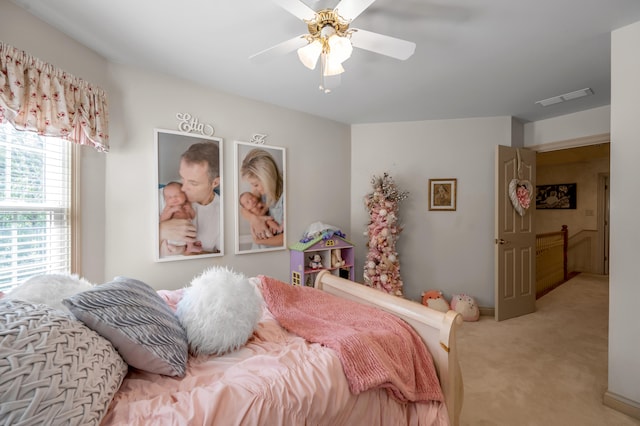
(138, 323)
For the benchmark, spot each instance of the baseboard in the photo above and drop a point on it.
(622, 404)
(487, 312)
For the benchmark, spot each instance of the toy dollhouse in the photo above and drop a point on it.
(332, 253)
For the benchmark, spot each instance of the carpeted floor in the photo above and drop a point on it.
(547, 368)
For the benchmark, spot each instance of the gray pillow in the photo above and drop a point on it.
(53, 369)
(137, 321)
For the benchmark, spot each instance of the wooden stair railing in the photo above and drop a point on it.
(551, 260)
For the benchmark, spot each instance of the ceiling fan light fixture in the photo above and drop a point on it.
(330, 66)
(340, 48)
(331, 39)
(310, 53)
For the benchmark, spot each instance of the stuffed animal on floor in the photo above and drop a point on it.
(315, 261)
(434, 299)
(466, 306)
(336, 258)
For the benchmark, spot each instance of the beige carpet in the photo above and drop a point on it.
(546, 368)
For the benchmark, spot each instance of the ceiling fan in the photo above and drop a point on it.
(331, 40)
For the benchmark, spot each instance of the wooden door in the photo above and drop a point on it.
(515, 236)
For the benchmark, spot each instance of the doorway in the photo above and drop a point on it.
(588, 165)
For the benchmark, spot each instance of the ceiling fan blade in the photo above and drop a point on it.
(385, 45)
(297, 8)
(279, 49)
(351, 9)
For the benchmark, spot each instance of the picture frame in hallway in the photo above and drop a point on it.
(443, 194)
(260, 186)
(188, 196)
(561, 196)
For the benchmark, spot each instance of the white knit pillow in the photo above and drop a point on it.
(219, 311)
(53, 369)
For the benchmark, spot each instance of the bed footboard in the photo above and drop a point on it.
(437, 329)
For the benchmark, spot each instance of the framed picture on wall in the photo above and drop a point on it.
(188, 216)
(260, 200)
(442, 194)
(557, 196)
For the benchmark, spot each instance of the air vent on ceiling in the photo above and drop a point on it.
(565, 97)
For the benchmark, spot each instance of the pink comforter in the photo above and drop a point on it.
(277, 378)
(376, 348)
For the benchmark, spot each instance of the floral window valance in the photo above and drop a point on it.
(38, 97)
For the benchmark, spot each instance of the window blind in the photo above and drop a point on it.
(35, 206)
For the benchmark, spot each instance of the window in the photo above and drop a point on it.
(35, 206)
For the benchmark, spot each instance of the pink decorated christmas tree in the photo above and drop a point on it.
(382, 268)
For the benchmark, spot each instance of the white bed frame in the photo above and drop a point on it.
(437, 329)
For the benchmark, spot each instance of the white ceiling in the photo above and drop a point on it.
(474, 58)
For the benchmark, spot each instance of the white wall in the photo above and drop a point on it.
(582, 124)
(624, 287)
(318, 161)
(443, 250)
(23, 31)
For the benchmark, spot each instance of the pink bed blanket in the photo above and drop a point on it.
(376, 349)
(277, 378)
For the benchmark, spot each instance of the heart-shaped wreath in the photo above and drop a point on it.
(521, 193)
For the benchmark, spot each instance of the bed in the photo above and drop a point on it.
(275, 377)
(437, 330)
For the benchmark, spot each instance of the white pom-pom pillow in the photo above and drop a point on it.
(219, 311)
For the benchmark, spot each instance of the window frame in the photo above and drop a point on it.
(73, 221)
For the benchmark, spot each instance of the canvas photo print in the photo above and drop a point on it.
(189, 196)
(557, 196)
